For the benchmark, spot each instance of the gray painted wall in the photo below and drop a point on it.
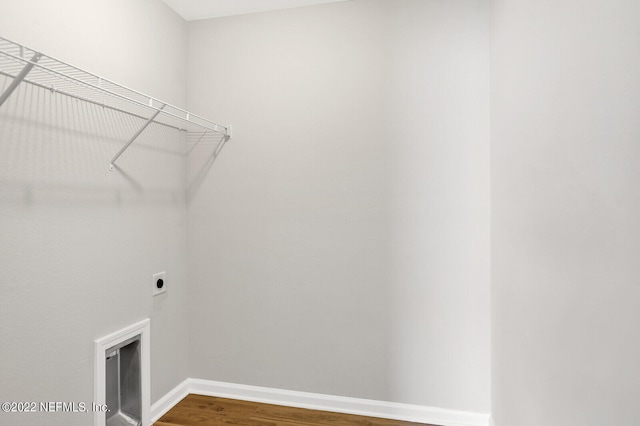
(341, 242)
(565, 208)
(78, 243)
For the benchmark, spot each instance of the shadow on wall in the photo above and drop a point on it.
(203, 152)
(54, 149)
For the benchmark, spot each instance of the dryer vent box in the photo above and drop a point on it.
(122, 377)
(123, 384)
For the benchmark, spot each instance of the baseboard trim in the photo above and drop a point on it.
(315, 401)
(167, 402)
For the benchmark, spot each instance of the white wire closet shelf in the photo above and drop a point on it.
(25, 65)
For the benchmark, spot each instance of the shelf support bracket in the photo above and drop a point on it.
(18, 79)
(112, 166)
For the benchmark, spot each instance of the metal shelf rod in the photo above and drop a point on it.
(16, 81)
(91, 101)
(133, 138)
(117, 95)
(59, 77)
(102, 80)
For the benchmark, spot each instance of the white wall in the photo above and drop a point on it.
(78, 243)
(438, 147)
(340, 243)
(565, 208)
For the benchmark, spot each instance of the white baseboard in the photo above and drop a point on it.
(167, 402)
(315, 401)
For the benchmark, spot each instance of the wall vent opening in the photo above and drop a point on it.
(122, 377)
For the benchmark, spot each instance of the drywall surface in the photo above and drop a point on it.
(565, 208)
(79, 244)
(340, 243)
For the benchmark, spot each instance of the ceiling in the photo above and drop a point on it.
(192, 10)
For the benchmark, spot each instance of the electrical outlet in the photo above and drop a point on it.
(159, 283)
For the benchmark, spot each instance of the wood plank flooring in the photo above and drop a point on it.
(198, 410)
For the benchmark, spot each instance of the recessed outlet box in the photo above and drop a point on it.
(159, 283)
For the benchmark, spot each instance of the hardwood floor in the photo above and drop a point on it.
(197, 410)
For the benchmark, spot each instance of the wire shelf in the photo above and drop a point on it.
(23, 64)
